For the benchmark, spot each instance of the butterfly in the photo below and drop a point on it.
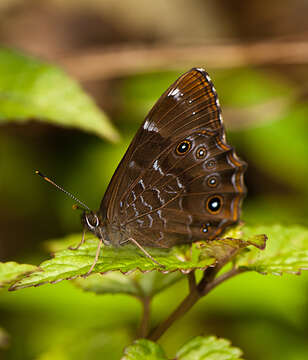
(179, 181)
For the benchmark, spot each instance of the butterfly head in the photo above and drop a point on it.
(93, 223)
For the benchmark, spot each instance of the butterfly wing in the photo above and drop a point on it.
(177, 170)
(192, 92)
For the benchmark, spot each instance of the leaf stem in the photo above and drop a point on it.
(145, 320)
(191, 281)
(206, 284)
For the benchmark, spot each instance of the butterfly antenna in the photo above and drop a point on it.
(83, 206)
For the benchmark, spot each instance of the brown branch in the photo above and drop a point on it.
(119, 61)
(207, 283)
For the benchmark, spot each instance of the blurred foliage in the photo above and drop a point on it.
(290, 169)
(202, 348)
(265, 111)
(30, 89)
(276, 305)
(4, 339)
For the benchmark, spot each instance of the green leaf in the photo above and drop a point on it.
(154, 282)
(208, 348)
(68, 264)
(286, 250)
(111, 283)
(143, 349)
(200, 347)
(55, 245)
(31, 89)
(11, 271)
(136, 284)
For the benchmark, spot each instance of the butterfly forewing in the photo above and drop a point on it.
(178, 181)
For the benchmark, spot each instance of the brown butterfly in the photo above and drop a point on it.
(179, 181)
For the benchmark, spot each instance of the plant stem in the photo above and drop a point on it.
(185, 305)
(191, 281)
(145, 320)
(206, 284)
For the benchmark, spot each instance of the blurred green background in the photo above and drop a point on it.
(125, 54)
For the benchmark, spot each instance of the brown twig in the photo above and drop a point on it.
(118, 61)
(207, 283)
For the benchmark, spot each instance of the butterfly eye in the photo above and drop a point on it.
(92, 221)
(183, 147)
(214, 204)
(201, 153)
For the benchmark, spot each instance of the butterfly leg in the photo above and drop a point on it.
(96, 258)
(144, 251)
(81, 242)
